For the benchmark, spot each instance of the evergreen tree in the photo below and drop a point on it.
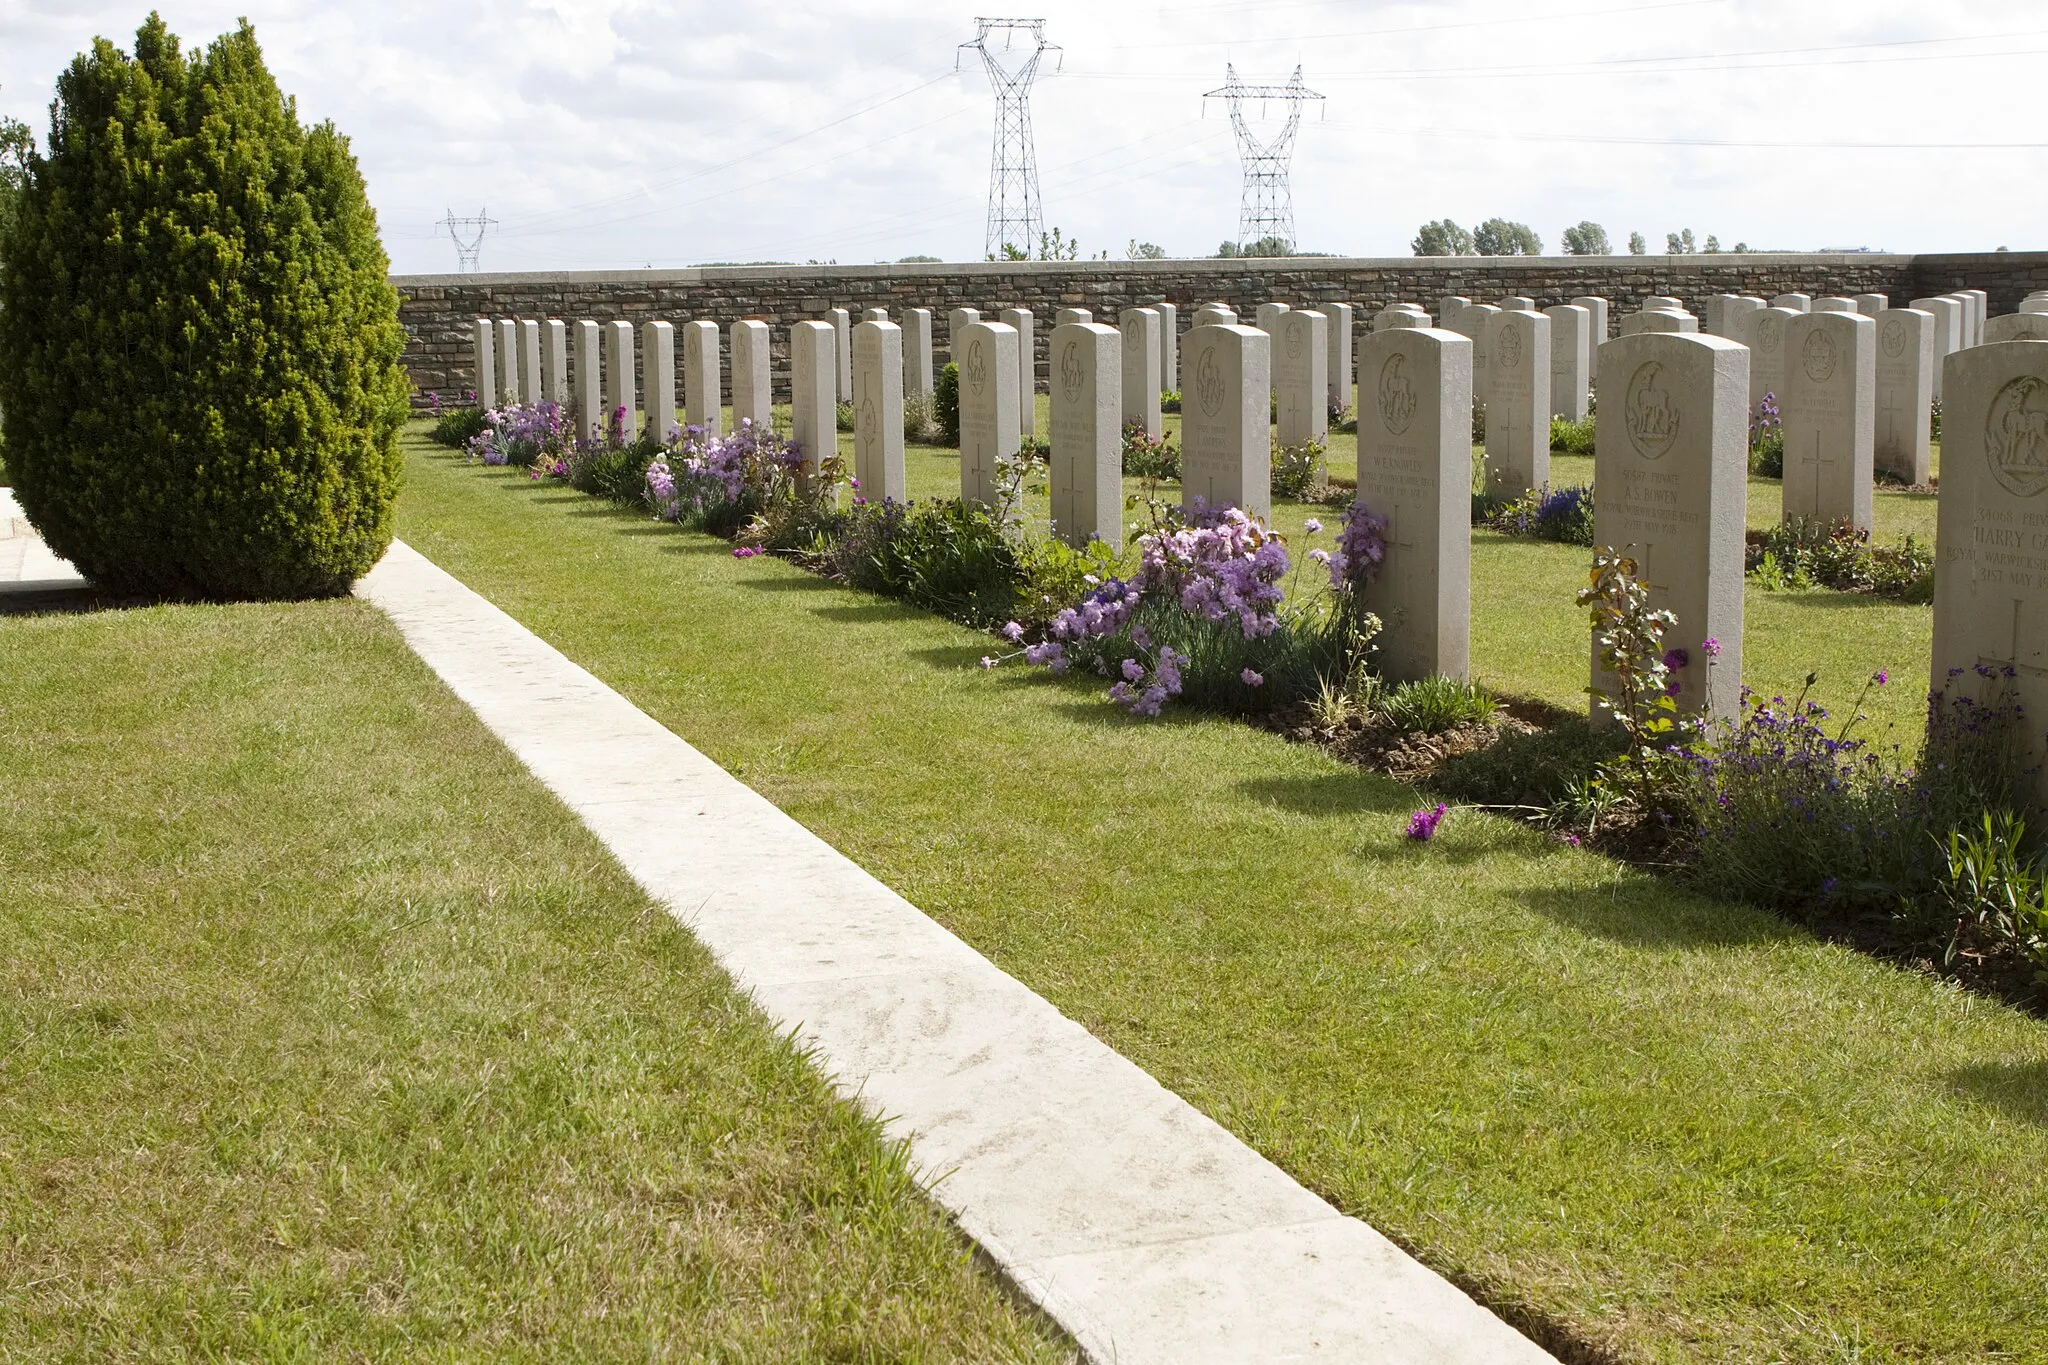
(199, 376)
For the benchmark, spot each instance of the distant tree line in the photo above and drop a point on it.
(1505, 237)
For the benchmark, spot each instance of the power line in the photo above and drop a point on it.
(468, 235)
(1015, 220)
(1416, 28)
(1266, 204)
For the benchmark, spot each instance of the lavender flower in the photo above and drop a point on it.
(1422, 824)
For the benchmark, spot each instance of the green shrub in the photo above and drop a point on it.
(1169, 400)
(946, 404)
(1805, 553)
(1297, 469)
(1430, 706)
(199, 374)
(1536, 770)
(951, 557)
(845, 416)
(457, 427)
(1572, 438)
(1145, 458)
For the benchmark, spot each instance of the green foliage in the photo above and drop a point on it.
(457, 427)
(1442, 238)
(1298, 469)
(1144, 251)
(1993, 892)
(1628, 645)
(1587, 239)
(1679, 243)
(951, 557)
(1636, 245)
(618, 471)
(844, 414)
(1430, 706)
(1805, 552)
(1055, 575)
(17, 146)
(1564, 515)
(1169, 401)
(946, 404)
(1265, 246)
(200, 376)
(1767, 454)
(1502, 237)
(1145, 458)
(920, 420)
(1572, 438)
(1532, 770)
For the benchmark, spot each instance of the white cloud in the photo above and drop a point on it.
(622, 132)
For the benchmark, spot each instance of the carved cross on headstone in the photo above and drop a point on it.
(1816, 461)
(1894, 422)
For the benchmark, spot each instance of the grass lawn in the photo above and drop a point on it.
(1654, 1122)
(326, 1033)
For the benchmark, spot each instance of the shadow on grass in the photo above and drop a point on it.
(1644, 912)
(2019, 1089)
(1823, 599)
(794, 582)
(945, 658)
(1340, 793)
(869, 611)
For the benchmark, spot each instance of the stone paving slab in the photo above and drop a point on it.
(26, 564)
(1145, 1229)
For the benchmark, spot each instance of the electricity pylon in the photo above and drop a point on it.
(1015, 219)
(1266, 208)
(468, 234)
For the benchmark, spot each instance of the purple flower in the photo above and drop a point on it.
(1252, 678)
(1711, 647)
(1422, 824)
(746, 552)
(1675, 659)
(1311, 526)
(1881, 677)
(987, 662)
(1572, 841)
(1014, 633)
(1133, 670)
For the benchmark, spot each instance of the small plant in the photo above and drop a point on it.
(1628, 640)
(715, 483)
(1431, 706)
(457, 427)
(1145, 458)
(921, 420)
(845, 416)
(1564, 515)
(1805, 553)
(1169, 400)
(1572, 438)
(1298, 469)
(520, 434)
(1993, 892)
(1767, 439)
(1478, 422)
(946, 404)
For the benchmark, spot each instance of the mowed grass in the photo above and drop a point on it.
(326, 1033)
(1629, 1116)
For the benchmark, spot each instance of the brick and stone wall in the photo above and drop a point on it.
(438, 309)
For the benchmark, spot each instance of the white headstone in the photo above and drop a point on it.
(1834, 304)
(1301, 381)
(1085, 367)
(1518, 403)
(1798, 303)
(1339, 365)
(1659, 320)
(1669, 303)
(2032, 303)
(957, 321)
(703, 393)
(1830, 411)
(658, 360)
(1140, 329)
(1571, 338)
(814, 392)
(1268, 315)
(986, 353)
(1019, 320)
(1966, 334)
(1068, 316)
(1517, 303)
(917, 350)
(1226, 458)
(1415, 470)
(1905, 392)
(878, 413)
(508, 361)
(1209, 315)
(529, 361)
(874, 315)
(752, 398)
(1870, 305)
(622, 414)
(842, 350)
(2017, 327)
(1764, 333)
(1596, 307)
(1671, 490)
(590, 415)
(1983, 307)
(1948, 331)
(1726, 314)
(1403, 315)
(485, 344)
(1991, 575)
(1169, 347)
(1450, 306)
(1477, 322)
(554, 362)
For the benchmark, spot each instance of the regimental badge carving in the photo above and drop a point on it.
(1818, 355)
(2026, 334)
(1651, 419)
(1770, 331)
(1297, 337)
(2016, 436)
(1071, 373)
(870, 420)
(975, 372)
(1894, 338)
(1510, 346)
(1133, 335)
(1397, 401)
(1209, 384)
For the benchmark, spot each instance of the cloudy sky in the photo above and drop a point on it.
(613, 133)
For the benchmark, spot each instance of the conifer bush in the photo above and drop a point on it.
(199, 372)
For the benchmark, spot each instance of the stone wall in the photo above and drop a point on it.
(438, 309)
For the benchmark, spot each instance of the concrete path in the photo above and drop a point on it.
(1142, 1227)
(26, 564)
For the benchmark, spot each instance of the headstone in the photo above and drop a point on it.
(1267, 316)
(621, 414)
(1726, 314)
(554, 362)
(917, 350)
(508, 361)
(986, 353)
(752, 398)
(703, 394)
(1834, 304)
(590, 418)
(957, 321)
(1798, 303)
(1570, 346)
(814, 392)
(1402, 317)
(1450, 306)
(2032, 303)
(1983, 302)
(529, 361)
(1517, 303)
(1658, 320)
(658, 360)
(1415, 470)
(1339, 363)
(842, 350)
(1991, 575)
(1765, 336)
(1597, 308)
(1019, 320)
(1971, 330)
(878, 413)
(1870, 305)
(1948, 331)
(2017, 327)
(1671, 490)
(1085, 373)
(1301, 381)
(1140, 329)
(1169, 347)
(1905, 392)
(1668, 303)
(1477, 322)
(1830, 410)
(1225, 455)
(1209, 315)
(1070, 316)
(485, 343)
(874, 315)
(1518, 403)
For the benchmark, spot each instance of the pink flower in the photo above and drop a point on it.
(1422, 824)
(1711, 647)
(1251, 678)
(746, 552)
